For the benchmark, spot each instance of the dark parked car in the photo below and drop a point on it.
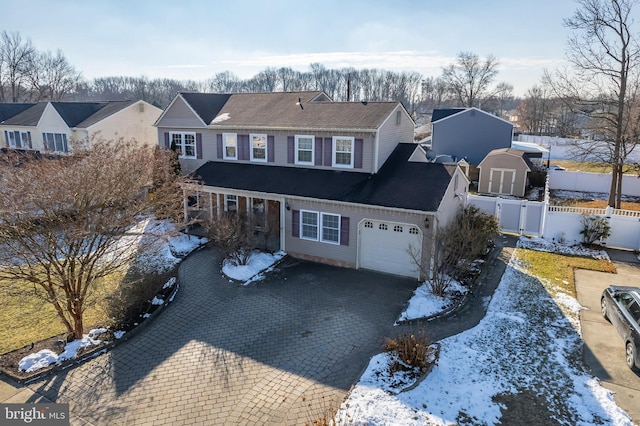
(621, 306)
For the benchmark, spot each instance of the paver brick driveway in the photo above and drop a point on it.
(280, 351)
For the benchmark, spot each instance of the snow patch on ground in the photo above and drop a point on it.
(424, 303)
(254, 269)
(541, 244)
(47, 357)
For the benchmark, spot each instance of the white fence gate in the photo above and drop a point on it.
(514, 216)
(538, 219)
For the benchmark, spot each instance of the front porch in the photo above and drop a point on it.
(266, 210)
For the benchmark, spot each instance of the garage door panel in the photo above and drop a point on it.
(384, 247)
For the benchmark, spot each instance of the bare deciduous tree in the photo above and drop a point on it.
(15, 56)
(605, 53)
(470, 78)
(63, 221)
(234, 234)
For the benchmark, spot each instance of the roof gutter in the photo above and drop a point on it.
(248, 193)
(294, 128)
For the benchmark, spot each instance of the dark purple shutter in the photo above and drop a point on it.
(328, 154)
(291, 150)
(271, 149)
(6, 138)
(219, 144)
(243, 145)
(344, 231)
(29, 138)
(357, 154)
(167, 144)
(199, 145)
(318, 153)
(295, 223)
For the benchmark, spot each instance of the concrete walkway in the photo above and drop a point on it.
(285, 350)
(604, 349)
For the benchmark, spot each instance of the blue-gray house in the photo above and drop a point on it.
(468, 133)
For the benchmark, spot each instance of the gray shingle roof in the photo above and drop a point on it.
(28, 117)
(398, 184)
(74, 114)
(8, 110)
(287, 110)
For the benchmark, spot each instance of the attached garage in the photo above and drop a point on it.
(383, 246)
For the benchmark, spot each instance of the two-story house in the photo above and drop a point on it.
(336, 182)
(53, 126)
(468, 133)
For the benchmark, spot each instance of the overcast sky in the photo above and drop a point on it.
(197, 39)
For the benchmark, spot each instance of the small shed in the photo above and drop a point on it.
(505, 171)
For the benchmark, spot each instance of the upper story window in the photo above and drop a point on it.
(17, 139)
(343, 151)
(56, 142)
(258, 147)
(185, 142)
(398, 117)
(304, 149)
(230, 149)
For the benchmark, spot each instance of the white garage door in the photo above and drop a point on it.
(383, 247)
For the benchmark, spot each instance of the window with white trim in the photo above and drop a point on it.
(230, 146)
(18, 139)
(304, 149)
(230, 203)
(185, 142)
(309, 225)
(330, 228)
(343, 151)
(258, 145)
(56, 142)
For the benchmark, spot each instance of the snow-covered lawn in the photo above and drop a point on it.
(258, 264)
(524, 345)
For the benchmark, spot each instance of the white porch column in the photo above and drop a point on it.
(283, 216)
(210, 206)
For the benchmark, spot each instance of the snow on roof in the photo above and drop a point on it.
(528, 147)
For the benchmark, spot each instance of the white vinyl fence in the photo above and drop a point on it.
(591, 182)
(557, 223)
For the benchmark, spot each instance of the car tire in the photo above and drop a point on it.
(603, 309)
(630, 356)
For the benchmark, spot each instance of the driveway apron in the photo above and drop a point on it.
(604, 349)
(285, 350)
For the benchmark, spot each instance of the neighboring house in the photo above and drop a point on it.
(52, 126)
(335, 182)
(468, 133)
(505, 171)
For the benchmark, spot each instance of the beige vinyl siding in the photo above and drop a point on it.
(391, 134)
(210, 146)
(503, 161)
(347, 255)
(50, 122)
(129, 124)
(450, 205)
(179, 114)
